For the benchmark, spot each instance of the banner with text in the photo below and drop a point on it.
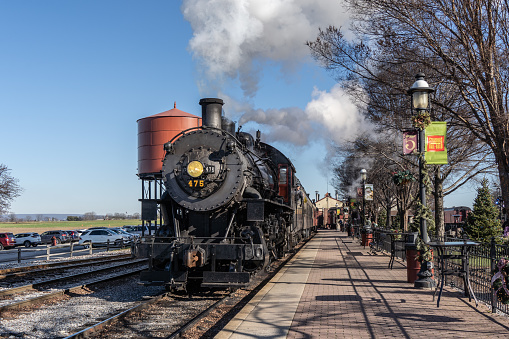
(368, 191)
(436, 143)
(409, 142)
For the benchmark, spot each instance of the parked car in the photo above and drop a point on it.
(138, 229)
(61, 236)
(73, 235)
(28, 239)
(128, 237)
(7, 240)
(101, 236)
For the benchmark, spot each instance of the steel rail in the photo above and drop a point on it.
(36, 285)
(60, 263)
(42, 298)
(70, 266)
(178, 333)
(85, 333)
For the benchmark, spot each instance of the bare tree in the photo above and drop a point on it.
(462, 45)
(12, 218)
(9, 188)
(90, 216)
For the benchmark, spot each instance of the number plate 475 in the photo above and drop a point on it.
(196, 183)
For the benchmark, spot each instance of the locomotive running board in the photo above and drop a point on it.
(213, 279)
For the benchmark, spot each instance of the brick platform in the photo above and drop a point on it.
(333, 288)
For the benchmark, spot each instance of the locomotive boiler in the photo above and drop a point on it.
(231, 205)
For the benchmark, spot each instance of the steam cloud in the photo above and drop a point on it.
(330, 115)
(233, 39)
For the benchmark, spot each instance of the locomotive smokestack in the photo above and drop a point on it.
(211, 109)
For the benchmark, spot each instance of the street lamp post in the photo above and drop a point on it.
(419, 92)
(363, 179)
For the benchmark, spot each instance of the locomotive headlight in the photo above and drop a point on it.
(195, 169)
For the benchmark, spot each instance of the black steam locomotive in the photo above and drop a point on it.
(232, 204)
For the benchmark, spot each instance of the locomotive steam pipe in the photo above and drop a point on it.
(211, 109)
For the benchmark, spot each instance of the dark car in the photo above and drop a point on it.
(73, 235)
(61, 237)
(7, 240)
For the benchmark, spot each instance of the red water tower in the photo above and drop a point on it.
(153, 132)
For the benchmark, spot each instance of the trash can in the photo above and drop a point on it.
(413, 266)
(366, 235)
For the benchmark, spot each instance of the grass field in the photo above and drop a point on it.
(39, 227)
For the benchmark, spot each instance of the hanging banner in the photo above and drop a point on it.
(436, 143)
(368, 192)
(409, 142)
(359, 192)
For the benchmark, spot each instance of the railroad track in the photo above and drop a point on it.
(10, 298)
(159, 311)
(69, 291)
(123, 308)
(33, 273)
(173, 316)
(69, 263)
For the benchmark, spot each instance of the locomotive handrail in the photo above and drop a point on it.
(202, 127)
(151, 238)
(268, 201)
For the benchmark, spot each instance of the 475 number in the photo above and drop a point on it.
(196, 183)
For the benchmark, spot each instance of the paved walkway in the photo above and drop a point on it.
(333, 288)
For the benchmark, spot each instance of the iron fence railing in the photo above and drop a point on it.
(482, 261)
(382, 242)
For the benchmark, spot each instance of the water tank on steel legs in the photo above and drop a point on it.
(154, 131)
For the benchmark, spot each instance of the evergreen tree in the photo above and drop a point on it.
(483, 223)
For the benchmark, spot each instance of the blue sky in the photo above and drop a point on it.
(77, 75)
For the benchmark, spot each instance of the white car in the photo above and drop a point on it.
(28, 239)
(128, 237)
(139, 229)
(102, 237)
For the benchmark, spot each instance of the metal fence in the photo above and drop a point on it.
(482, 263)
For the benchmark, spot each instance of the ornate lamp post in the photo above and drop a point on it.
(364, 175)
(419, 92)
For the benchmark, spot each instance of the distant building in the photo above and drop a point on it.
(327, 209)
(455, 217)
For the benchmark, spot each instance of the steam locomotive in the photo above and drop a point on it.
(232, 204)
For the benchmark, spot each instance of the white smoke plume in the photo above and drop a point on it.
(232, 38)
(329, 115)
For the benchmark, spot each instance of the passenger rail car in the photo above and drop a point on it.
(232, 204)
